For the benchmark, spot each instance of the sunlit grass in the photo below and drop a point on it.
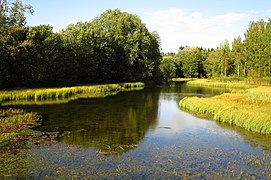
(49, 95)
(7, 136)
(249, 109)
(216, 84)
(181, 79)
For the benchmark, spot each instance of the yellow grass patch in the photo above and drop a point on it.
(249, 109)
(210, 83)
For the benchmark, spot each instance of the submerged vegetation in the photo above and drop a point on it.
(14, 124)
(65, 94)
(246, 108)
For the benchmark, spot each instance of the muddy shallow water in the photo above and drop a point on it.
(142, 135)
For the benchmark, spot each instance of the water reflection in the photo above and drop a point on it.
(114, 124)
(159, 139)
(119, 123)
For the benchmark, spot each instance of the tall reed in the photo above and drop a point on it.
(66, 92)
(216, 84)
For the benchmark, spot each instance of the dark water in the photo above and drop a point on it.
(141, 135)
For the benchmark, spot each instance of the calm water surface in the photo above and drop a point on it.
(143, 135)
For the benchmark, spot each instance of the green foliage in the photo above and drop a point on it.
(239, 57)
(168, 66)
(188, 62)
(249, 58)
(135, 51)
(191, 60)
(181, 79)
(107, 49)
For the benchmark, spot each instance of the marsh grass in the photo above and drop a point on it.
(38, 96)
(216, 84)
(249, 109)
(14, 122)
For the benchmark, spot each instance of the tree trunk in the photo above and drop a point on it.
(244, 70)
(238, 70)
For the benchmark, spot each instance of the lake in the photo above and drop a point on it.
(140, 135)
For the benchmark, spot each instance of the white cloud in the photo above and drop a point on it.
(269, 10)
(179, 27)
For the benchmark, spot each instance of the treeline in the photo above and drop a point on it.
(248, 58)
(114, 47)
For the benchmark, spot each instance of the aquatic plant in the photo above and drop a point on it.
(13, 122)
(249, 109)
(260, 94)
(216, 84)
(38, 95)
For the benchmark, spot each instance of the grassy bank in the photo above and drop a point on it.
(217, 84)
(249, 108)
(66, 93)
(15, 124)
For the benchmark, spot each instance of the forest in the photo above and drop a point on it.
(117, 47)
(114, 47)
(248, 58)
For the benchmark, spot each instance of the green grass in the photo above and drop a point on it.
(66, 93)
(14, 122)
(249, 109)
(216, 84)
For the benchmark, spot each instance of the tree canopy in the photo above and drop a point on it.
(114, 47)
(248, 58)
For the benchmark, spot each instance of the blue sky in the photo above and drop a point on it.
(205, 23)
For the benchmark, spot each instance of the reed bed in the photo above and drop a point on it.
(249, 109)
(58, 100)
(66, 92)
(260, 95)
(216, 84)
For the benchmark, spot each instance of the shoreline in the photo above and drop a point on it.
(64, 94)
(16, 124)
(248, 107)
